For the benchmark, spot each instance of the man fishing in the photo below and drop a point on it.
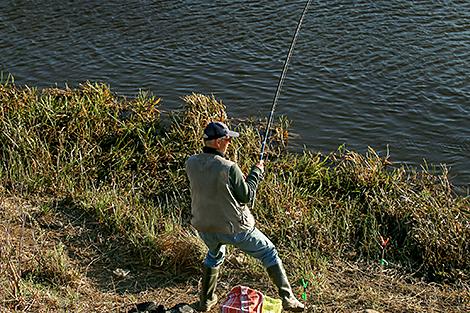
(219, 197)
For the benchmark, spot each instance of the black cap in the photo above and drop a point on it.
(216, 130)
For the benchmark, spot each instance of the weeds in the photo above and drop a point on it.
(31, 266)
(118, 159)
(53, 267)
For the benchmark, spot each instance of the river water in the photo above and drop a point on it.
(386, 73)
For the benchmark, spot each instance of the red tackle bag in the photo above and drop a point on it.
(243, 299)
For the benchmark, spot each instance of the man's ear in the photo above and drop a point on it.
(212, 143)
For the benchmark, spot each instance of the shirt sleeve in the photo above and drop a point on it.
(244, 189)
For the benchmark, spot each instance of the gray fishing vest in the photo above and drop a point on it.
(213, 206)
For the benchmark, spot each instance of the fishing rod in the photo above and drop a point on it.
(281, 79)
(279, 86)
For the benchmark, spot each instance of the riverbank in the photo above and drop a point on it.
(99, 184)
(58, 258)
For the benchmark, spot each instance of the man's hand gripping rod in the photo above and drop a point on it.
(281, 79)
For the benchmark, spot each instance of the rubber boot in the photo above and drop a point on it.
(207, 297)
(279, 278)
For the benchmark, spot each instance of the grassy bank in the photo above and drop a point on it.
(121, 162)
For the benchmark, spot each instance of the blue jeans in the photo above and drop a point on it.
(252, 242)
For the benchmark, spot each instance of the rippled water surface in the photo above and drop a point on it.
(390, 73)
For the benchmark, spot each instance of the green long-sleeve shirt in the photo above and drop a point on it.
(244, 189)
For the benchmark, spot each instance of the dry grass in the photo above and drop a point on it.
(115, 195)
(94, 253)
(36, 272)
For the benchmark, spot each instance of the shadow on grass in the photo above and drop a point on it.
(108, 259)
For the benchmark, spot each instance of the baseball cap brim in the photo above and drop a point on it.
(233, 134)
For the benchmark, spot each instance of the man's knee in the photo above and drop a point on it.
(270, 257)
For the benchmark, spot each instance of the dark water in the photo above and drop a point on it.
(390, 73)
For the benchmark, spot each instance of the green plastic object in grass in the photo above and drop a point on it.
(305, 285)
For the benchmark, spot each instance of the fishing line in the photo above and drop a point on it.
(281, 79)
